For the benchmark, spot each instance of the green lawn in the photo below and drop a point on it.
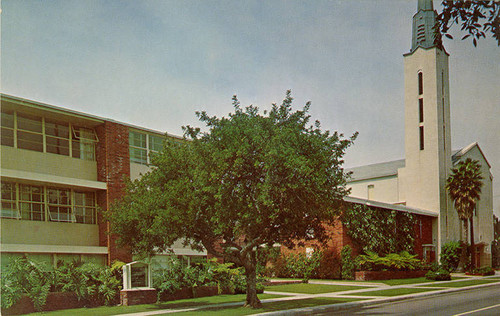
(394, 292)
(307, 288)
(412, 281)
(268, 307)
(461, 283)
(192, 302)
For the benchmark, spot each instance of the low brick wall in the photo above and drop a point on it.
(387, 275)
(138, 296)
(55, 301)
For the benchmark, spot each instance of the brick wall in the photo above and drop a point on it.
(337, 239)
(113, 165)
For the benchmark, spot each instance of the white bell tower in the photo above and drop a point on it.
(427, 123)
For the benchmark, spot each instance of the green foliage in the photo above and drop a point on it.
(329, 266)
(175, 276)
(348, 264)
(24, 276)
(495, 245)
(475, 17)
(403, 261)
(298, 265)
(378, 230)
(92, 283)
(483, 271)
(450, 255)
(464, 187)
(270, 177)
(438, 275)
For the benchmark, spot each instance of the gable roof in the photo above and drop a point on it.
(458, 154)
(377, 170)
(390, 168)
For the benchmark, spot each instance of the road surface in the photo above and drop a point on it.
(475, 302)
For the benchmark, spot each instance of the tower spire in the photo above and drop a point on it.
(423, 24)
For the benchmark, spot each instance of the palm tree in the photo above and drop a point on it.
(464, 188)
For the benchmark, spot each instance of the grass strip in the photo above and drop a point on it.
(395, 292)
(268, 307)
(462, 283)
(312, 288)
(187, 303)
(393, 282)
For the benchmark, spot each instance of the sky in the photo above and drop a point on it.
(155, 63)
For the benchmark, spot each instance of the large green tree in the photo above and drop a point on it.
(464, 188)
(251, 179)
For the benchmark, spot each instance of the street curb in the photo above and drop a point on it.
(350, 305)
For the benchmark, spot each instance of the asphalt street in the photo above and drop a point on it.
(474, 302)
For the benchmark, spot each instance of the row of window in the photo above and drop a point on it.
(40, 203)
(45, 135)
(142, 145)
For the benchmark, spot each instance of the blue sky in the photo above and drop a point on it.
(154, 63)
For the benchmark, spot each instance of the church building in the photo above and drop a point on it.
(418, 181)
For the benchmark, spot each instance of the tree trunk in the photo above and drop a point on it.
(472, 245)
(251, 276)
(464, 243)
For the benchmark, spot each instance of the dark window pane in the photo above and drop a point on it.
(421, 110)
(57, 146)
(7, 119)
(420, 83)
(7, 137)
(29, 123)
(30, 141)
(421, 138)
(56, 129)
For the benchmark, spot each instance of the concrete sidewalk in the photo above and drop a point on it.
(366, 300)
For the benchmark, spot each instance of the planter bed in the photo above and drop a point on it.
(388, 275)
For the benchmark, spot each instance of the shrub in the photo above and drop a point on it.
(92, 283)
(439, 275)
(329, 266)
(348, 264)
(24, 276)
(483, 271)
(300, 265)
(450, 255)
(403, 261)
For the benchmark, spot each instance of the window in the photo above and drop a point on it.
(31, 202)
(83, 143)
(421, 129)
(421, 110)
(46, 135)
(420, 83)
(9, 209)
(57, 138)
(29, 133)
(141, 146)
(155, 143)
(59, 204)
(8, 129)
(39, 203)
(85, 208)
(138, 147)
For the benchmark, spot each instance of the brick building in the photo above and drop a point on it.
(59, 168)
